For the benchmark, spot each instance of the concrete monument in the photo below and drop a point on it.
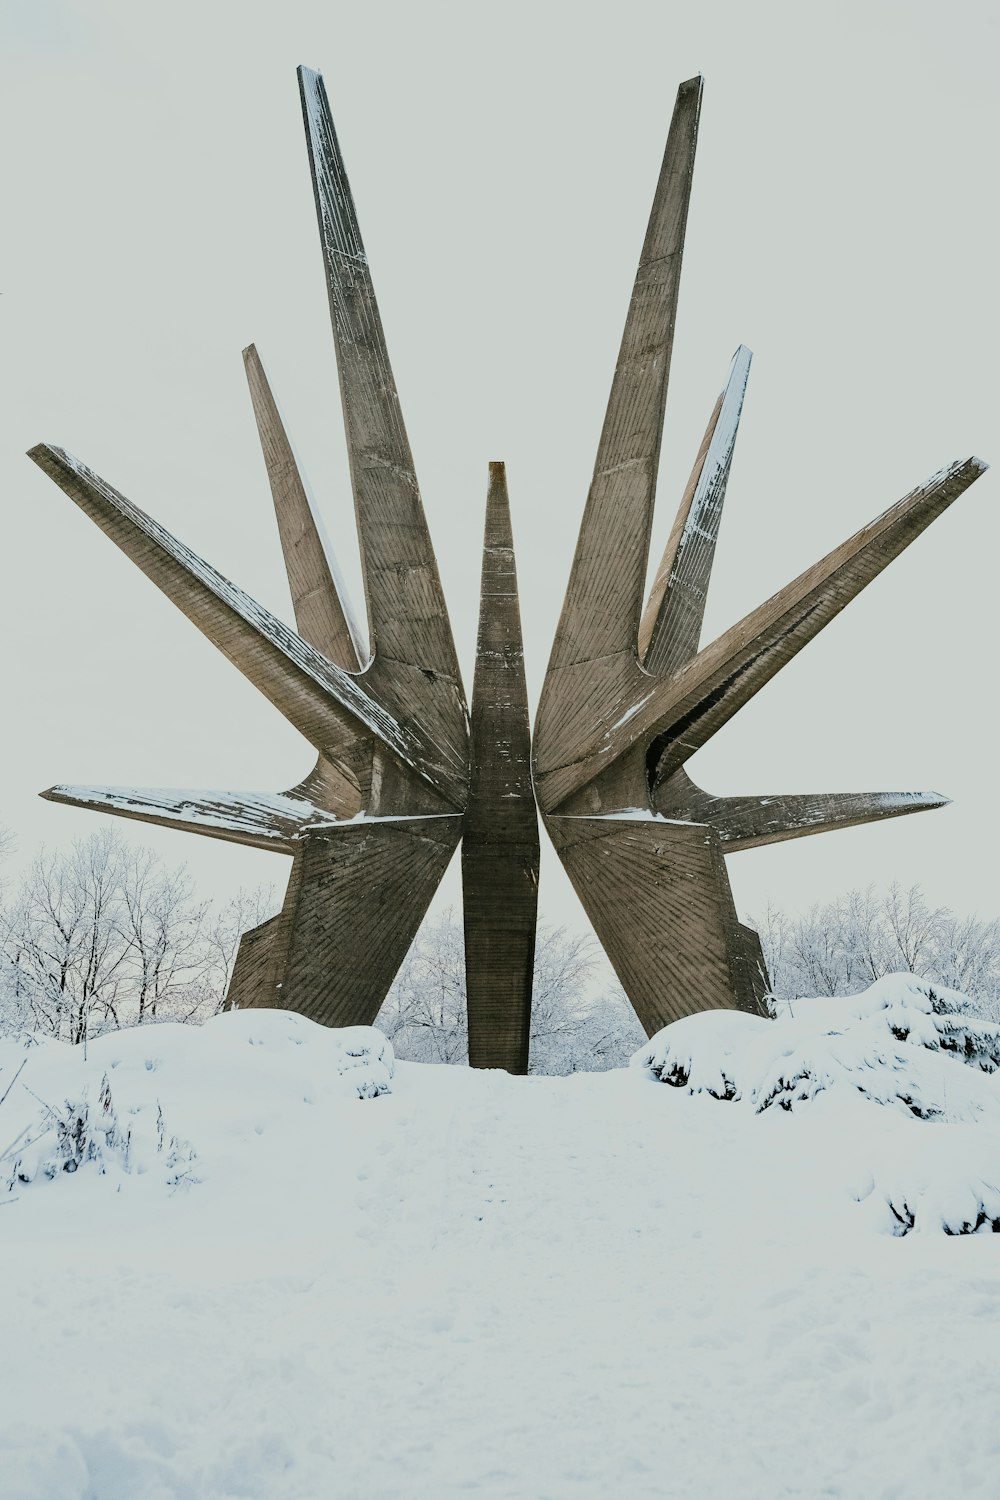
(629, 696)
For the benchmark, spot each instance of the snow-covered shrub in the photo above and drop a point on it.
(908, 1044)
(85, 1132)
(896, 1043)
(365, 1056)
(702, 1053)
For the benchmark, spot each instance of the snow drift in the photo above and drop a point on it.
(258, 1260)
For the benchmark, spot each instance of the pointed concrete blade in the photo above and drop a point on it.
(603, 605)
(322, 616)
(748, 822)
(333, 710)
(408, 618)
(671, 624)
(606, 715)
(356, 896)
(261, 820)
(500, 833)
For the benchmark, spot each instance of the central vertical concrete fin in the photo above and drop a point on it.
(407, 615)
(322, 614)
(670, 632)
(500, 850)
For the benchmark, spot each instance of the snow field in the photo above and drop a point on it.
(478, 1285)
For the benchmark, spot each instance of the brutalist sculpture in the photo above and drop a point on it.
(629, 696)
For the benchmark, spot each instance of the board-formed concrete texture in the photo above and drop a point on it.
(372, 828)
(630, 694)
(500, 837)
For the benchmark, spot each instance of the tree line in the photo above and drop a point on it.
(106, 934)
(842, 947)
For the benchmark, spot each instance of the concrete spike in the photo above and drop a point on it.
(604, 596)
(670, 632)
(500, 849)
(609, 707)
(407, 615)
(332, 709)
(659, 899)
(355, 899)
(749, 822)
(260, 820)
(322, 614)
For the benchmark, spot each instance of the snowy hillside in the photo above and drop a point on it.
(259, 1259)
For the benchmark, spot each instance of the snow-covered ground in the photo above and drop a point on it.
(258, 1284)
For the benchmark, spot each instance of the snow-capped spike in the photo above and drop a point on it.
(604, 595)
(407, 616)
(260, 820)
(334, 711)
(749, 822)
(319, 599)
(673, 717)
(670, 631)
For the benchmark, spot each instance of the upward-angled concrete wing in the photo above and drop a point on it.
(630, 693)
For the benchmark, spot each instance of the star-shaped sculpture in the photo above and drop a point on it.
(628, 697)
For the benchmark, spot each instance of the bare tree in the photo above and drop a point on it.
(248, 908)
(165, 928)
(107, 935)
(841, 948)
(572, 1029)
(424, 1014)
(65, 938)
(913, 926)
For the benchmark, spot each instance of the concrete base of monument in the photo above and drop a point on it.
(263, 1259)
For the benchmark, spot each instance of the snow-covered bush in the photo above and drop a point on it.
(946, 1181)
(364, 1056)
(98, 1109)
(889, 1043)
(88, 1132)
(905, 1043)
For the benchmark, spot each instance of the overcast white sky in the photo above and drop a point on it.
(158, 217)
